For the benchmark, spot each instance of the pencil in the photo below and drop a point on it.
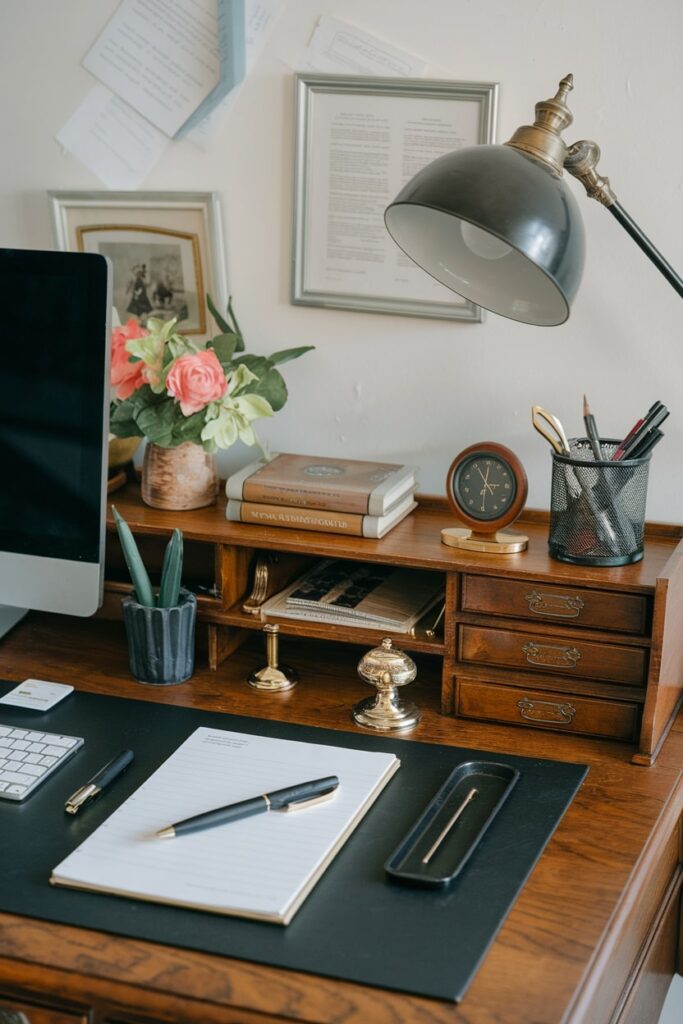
(592, 430)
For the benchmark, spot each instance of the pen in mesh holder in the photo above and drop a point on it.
(597, 509)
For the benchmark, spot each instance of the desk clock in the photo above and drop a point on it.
(486, 487)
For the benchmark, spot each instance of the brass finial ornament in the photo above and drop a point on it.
(273, 677)
(388, 669)
(543, 141)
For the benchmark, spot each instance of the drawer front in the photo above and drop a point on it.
(575, 657)
(540, 602)
(586, 716)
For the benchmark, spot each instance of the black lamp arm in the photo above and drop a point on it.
(581, 162)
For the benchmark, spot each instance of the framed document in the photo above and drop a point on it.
(166, 249)
(358, 141)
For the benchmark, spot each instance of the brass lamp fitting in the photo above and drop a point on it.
(543, 141)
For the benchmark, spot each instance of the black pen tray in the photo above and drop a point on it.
(493, 782)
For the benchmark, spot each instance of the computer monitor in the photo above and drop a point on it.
(55, 312)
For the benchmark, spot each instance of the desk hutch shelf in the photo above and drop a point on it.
(524, 639)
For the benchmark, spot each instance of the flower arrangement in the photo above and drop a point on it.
(171, 390)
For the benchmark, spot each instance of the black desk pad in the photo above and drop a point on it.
(355, 925)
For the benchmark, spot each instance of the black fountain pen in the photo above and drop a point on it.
(290, 799)
(92, 789)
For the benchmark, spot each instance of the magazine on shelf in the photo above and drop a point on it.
(321, 482)
(358, 594)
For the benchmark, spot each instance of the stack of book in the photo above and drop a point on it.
(305, 492)
(343, 593)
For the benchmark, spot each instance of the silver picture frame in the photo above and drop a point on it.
(342, 255)
(177, 237)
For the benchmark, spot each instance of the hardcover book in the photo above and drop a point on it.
(309, 481)
(358, 594)
(297, 518)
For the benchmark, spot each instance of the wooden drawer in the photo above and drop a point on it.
(549, 602)
(572, 657)
(588, 716)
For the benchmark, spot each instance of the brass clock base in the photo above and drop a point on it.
(500, 543)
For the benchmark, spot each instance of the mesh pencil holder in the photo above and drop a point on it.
(597, 508)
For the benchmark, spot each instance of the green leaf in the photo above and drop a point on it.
(287, 354)
(171, 572)
(270, 386)
(224, 345)
(157, 423)
(257, 364)
(231, 315)
(122, 420)
(136, 568)
(189, 428)
(222, 323)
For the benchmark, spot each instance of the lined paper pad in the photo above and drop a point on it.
(261, 867)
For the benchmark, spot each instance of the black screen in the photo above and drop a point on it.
(53, 314)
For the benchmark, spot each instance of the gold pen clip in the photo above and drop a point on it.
(80, 797)
(300, 805)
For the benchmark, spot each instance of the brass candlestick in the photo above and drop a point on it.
(273, 677)
(387, 669)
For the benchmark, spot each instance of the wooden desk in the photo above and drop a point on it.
(592, 938)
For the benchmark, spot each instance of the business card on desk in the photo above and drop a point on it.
(36, 694)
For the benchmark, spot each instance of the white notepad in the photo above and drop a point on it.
(261, 867)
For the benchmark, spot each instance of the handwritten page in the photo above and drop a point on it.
(112, 140)
(261, 867)
(338, 47)
(160, 56)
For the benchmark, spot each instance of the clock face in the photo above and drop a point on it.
(486, 486)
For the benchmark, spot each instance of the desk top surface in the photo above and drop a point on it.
(551, 952)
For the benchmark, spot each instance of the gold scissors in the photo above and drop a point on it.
(558, 439)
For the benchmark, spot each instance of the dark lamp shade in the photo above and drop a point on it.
(498, 228)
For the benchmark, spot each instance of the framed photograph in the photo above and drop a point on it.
(358, 141)
(166, 249)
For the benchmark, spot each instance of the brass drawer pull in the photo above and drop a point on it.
(558, 606)
(546, 711)
(551, 657)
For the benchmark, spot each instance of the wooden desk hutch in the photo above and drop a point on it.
(536, 657)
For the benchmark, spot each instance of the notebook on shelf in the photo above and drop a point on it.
(262, 867)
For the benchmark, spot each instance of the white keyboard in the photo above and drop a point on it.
(28, 757)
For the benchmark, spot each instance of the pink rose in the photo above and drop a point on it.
(126, 377)
(196, 380)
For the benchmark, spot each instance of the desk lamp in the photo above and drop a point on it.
(499, 225)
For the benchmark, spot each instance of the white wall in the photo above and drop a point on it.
(395, 387)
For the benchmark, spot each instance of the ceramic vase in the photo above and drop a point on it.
(178, 478)
(161, 640)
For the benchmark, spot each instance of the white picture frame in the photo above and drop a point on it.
(166, 250)
(357, 141)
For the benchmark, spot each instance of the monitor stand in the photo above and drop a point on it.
(9, 617)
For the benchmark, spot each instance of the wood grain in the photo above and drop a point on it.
(635, 606)
(590, 899)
